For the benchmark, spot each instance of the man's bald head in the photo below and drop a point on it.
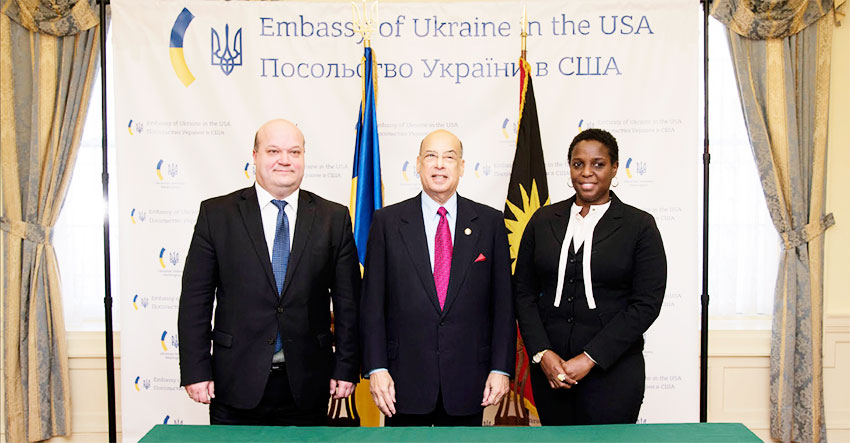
(442, 136)
(277, 124)
(440, 164)
(279, 157)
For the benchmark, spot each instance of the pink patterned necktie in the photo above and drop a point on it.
(442, 257)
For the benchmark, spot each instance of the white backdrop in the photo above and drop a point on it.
(631, 67)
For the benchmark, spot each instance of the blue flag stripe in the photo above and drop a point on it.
(368, 195)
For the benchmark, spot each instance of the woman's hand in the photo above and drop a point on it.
(577, 367)
(553, 367)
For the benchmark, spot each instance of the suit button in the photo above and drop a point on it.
(280, 309)
(572, 260)
(570, 320)
(572, 280)
(271, 341)
(442, 323)
(570, 299)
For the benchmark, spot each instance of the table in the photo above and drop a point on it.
(680, 432)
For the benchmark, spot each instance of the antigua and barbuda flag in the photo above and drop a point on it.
(366, 186)
(528, 190)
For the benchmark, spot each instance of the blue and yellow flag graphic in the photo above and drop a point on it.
(366, 187)
(366, 197)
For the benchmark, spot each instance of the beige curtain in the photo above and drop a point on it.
(48, 50)
(781, 54)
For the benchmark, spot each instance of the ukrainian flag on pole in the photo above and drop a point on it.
(366, 187)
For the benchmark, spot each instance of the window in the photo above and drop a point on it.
(78, 235)
(743, 243)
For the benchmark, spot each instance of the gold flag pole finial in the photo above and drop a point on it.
(364, 19)
(524, 33)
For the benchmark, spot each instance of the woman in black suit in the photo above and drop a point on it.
(583, 323)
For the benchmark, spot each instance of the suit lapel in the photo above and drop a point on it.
(610, 221)
(561, 220)
(249, 208)
(412, 230)
(303, 227)
(463, 249)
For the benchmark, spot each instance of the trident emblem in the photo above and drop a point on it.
(225, 57)
(365, 19)
(172, 169)
(174, 258)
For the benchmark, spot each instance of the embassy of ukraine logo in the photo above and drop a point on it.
(140, 127)
(408, 169)
(509, 129)
(172, 257)
(222, 54)
(635, 167)
(138, 215)
(481, 169)
(169, 420)
(140, 384)
(139, 301)
(225, 51)
(165, 339)
(169, 169)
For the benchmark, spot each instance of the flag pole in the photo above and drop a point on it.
(524, 33)
(364, 19)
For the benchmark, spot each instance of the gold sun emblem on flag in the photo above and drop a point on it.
(530, 204)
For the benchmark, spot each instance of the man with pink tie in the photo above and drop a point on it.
(438, 328)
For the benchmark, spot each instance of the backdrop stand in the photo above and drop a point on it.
(107, 274)
(706, 160)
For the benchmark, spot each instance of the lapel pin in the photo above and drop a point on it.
(467, 231)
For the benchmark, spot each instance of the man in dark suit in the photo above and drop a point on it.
(272, 360)
(439, 335)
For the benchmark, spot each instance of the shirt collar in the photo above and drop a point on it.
(265, 198)
(576, 209)
(429, 206)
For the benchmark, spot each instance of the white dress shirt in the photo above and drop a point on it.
(432, 220)
(580, 231)
(268, 212)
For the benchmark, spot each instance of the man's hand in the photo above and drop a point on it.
(382, 387)
(553, 367)
(497, 385)
(577, 367)
(201, 392)
(341, 388)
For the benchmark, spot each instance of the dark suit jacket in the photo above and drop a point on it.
(404, 330)
(629, 272)
(228, 262)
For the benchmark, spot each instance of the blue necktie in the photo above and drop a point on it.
(280, 255)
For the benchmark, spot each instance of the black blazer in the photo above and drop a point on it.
(228, 262)
(402, 327)
(629, 272)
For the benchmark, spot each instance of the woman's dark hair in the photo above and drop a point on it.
(600, 135)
